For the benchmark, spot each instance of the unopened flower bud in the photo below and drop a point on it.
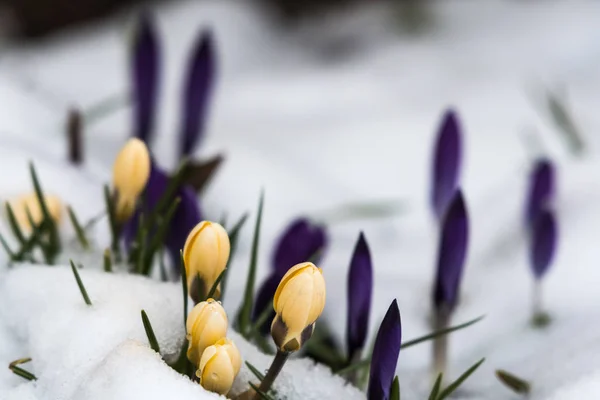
(30, 202)
(219, 365)
(298, 302)
(206, 324)
(131, 171)
(205, 256)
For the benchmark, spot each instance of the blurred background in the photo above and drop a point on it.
(328, 102)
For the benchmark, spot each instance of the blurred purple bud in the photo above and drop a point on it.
(385, 355)
(264, 299)
(300, 242)
(360, 288)
(197, 92)
(452, 253)
(544, 237)
(145, 69)
(542, 187)
(446, 163)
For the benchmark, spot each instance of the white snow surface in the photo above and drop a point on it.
(316, 133)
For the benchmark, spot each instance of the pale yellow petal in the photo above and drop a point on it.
(296, 269)
(218, 374)
(318, 301)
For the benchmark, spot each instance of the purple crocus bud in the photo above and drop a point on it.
(452, 254)
(385, 355)
(542, 187)
(197, 92)
(301, 241)
(145, 69)
(446, 163)
(544, 237)
(360, 287)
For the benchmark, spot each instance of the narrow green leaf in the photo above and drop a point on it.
(80, 284)
(159, 237)
(436, 387)
(454, 385)
(107, 260)
(185, 289)
(52, 228)
(78, 229)
(245, 313)
(255, 371)
(440, 332)
(37, 239)
(262, 395)
(234, 234)
(262, 318)
(112, 222)
(215, 285)
(134, 251)
(513, 382)
(161, 263)
(167, 198)
(139, 268)
(7, 249)
(395, 390)
(23, 373)
(14, 225)
(150, 333)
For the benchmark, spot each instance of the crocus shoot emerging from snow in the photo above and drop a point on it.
(541, 190)
(452, 254)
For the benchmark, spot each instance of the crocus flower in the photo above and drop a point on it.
(145, 76)
(541, 190)
(205, 255)
(452, 254)
(446, 163)
(206, 324)
(360, 287)
(29, 202)
(301, 241)
(131, 171)
(219, 365)
(298, 302)
(543, 243)
(385, 355)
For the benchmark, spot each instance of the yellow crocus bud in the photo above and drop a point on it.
(219, 365)
(131, 171)
(298, 302)
(205, 256)
(205, 325)
(30, 202)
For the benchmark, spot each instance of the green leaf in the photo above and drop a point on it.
(255, 371)
(161, 263)
(159, 237)
(245, 313)
(436, 387)
(513, 382)
(23, 373)
(36, 238)
(112, 221)
(150, 333)
(167, 198)
(185, 289)
(7, 249)
(86, 298)
(215, 285)
(78, 229)
(14, 225)
(107, 261)
(454, 385)
(52, 228)
(440, 332)
(395, 390)
(233, 234)
(261, 394)
(140, 269)
(262, 318)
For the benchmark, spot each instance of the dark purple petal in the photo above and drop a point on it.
(186, 217)
(360, 288)
(385, 355)
(300, 242)
(541, 191)
(145, 69)
(264, 299)
(446, 163)
(197, 92)
(452, 253)
(543, 243)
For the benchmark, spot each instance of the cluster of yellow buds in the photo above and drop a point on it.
(29, 203)
(205, 256)
(217, 359)
(131, 171)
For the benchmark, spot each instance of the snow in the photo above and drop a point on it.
(315, 132)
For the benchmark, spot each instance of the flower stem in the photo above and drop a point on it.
(274, 370)
(440, 343)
